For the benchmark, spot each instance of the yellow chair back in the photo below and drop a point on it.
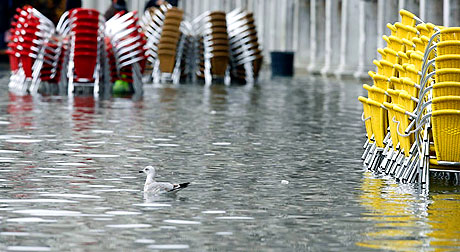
(446, 134)
(446, 89)
(367, 114)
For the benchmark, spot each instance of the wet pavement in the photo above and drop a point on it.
(69, 176)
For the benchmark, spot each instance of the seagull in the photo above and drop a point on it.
(152, 187)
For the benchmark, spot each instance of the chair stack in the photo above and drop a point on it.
(412, 112)
(151, 24)
(213, 47)
(188, 59)
(30, 32)
(163, 31)
(50, 72)
(446, 99)
(390, 108)
(86, 43)
(125, 50)
(168, 44)
(151, 48)
(245, 54)
(84, 51)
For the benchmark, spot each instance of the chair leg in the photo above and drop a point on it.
(405, 166)
(386, 160)
(370, 154)
(366, 143)
(371, 157)
(425, 180)
(401, 168)
(376, 159)
(392, 160)
(366, 151)
(409, 169)
(397, 163)
(414, 172)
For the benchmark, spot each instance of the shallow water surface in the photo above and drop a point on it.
(69, 176)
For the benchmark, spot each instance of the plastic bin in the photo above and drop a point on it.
(282, 63)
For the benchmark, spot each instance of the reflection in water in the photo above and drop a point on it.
(18, 107)
(69, 175)
(82, 114)
(404, 222)
(393, 215)
(444, 218)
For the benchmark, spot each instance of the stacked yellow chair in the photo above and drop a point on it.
(412, 112)
(445, 121)
(398, 76)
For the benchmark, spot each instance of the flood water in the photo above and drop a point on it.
(69, 176)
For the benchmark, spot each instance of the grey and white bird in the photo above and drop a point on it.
(151, 187)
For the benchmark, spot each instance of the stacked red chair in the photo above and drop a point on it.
(85, 45)
(85, 53)
(30, 31)
(53, 60)
(125, 48)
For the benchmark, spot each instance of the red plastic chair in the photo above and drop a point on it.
(14, 60)
(84, 64)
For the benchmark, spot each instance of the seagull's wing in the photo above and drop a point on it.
(162, 187)
(177, 187)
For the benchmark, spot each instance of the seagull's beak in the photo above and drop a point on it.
(141, 171)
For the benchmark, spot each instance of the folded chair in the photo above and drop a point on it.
(125, 50)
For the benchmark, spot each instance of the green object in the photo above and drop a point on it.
(121, 86)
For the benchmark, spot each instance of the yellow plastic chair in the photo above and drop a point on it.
(412, 72)
(401, 72)
(392, 28)
(395, 83)
(375, 93)
(446, 134)
(446, 89)
(448, 74)
(408, 44)
(392, 55)
(387, 68)
(366, 117)
(395, 43)
(416, 58)
(446, 102)
(407, 18)
(404, 59)
(406, 101)
(403, 99)
(405, 31)
(382, 53)
(403, 122)
(431, 28)
(448, 47)
(379, 66)
(394, 95)
(447, 61)
(378, 121)
(423, 29)
(451, 33)
(419, 44)
(392, 125)
(380, 81)
(410, 86)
